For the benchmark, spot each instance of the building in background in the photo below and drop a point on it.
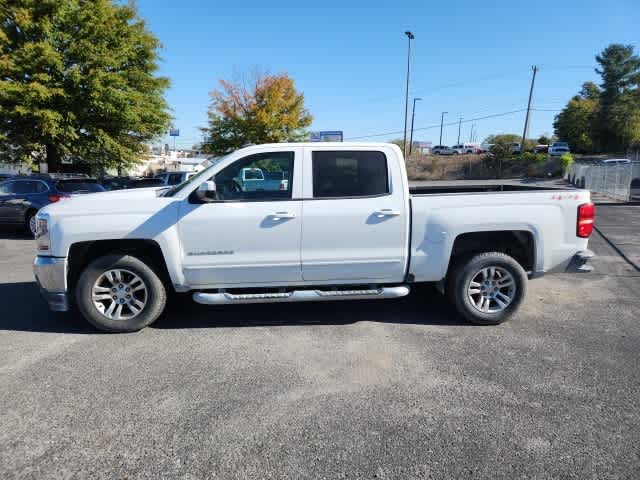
(172, 161)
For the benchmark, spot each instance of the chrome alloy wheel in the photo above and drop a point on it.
(32, 224)
(119, 294)
(491, 289)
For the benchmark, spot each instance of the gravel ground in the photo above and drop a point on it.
(397, 389)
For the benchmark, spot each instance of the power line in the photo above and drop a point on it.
(567, 67)
(511, 73)
(474, 81)
(430, 127)
(427, 93)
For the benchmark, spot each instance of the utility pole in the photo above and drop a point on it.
(526, 118)
(459, 127)
(413, 117)
(410, 37)
(441, 123)
(471, 132)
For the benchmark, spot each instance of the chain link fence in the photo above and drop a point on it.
(616, 179)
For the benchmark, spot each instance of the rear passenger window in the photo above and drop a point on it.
(25, 187)
(349, 174)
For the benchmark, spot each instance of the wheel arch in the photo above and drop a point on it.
(149, 251)
(30, 209)
(519, 244)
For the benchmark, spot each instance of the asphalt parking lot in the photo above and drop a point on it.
(396, 389)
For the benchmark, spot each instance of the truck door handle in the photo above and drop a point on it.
(282, 216)
(387, 212)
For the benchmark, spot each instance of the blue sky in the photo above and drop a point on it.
(471, 58)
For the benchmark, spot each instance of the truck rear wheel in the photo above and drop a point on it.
(487, 288)
(120, 293)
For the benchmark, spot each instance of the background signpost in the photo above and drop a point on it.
(330, 136)
(174, 132)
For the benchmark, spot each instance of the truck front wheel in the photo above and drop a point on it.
(487, 288)
(120, 293)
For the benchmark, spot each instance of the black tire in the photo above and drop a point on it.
(463, 273)
(156, 295)
(28, 218)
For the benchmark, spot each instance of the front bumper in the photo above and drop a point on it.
(51, 275)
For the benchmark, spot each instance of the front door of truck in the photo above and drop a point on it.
(355, 223)
(249, 236)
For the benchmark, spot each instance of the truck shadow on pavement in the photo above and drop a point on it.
(7, 234)
(24, 310)
(423, 306)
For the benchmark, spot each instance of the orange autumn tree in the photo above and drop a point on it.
(265, 109)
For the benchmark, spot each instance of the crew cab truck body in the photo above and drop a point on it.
(345, 225)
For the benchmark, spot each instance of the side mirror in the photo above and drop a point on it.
(207, 191)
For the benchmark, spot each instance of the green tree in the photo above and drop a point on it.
(590, 91)
(506, 138)
(544, 140)
(625, 119)
(575, 123)
(268, 108)
(616, 120)
(78, 79)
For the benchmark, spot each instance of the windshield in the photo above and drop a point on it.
(207, 164)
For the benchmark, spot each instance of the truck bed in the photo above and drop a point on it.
(478, 186)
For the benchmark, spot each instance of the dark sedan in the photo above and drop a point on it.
(121, 183)
(22, 196)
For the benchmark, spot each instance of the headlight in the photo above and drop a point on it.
(43, 241)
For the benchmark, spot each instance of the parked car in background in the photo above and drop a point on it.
(615, 161)
(442, 150)
(22, 196)
(541, 149)
(175, 178)
(559, 148)
(122, 183)
(464, 148)
(516, 148)
(486, 147)
(5, 176)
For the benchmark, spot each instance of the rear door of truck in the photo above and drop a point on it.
(355, 215)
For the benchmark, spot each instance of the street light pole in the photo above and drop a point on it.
(441, 123)
(410, 37)
(413, 117)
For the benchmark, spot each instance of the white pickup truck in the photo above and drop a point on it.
(345, 225)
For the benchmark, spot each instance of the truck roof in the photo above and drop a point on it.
(325, 144)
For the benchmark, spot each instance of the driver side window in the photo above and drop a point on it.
(258, 177)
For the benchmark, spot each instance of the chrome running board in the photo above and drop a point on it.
(226, 298)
